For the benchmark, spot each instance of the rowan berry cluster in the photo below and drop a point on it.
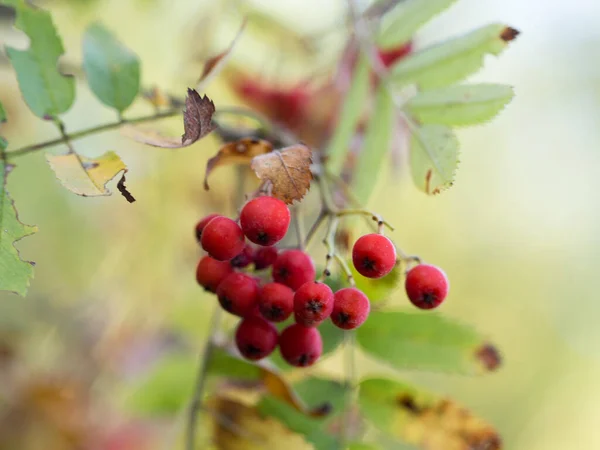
(237, 272)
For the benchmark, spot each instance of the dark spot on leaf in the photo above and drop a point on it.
(509, 34)
(428, 181)
(322, 410)
(408, 402)
(254, 141)
(489, 356)
(123, 190)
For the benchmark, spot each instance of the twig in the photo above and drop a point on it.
(356, 212)
(196, 403)
(315, 227)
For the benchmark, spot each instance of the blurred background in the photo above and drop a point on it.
(114, 289)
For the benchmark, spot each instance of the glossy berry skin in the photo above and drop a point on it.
(255, 338)
(294, 268)
(265, 220)
(426, 286)
(374, 255)
(244, 259)
(313, 303)
(300, 346)
(222, 238)
(351, 308)
(201, 224)
(211, 272)
(276, 302)
(238, 294)
(265, 257)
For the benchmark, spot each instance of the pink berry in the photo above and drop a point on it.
(300, 346)
(350, 308)
(201, 224)
(265, 220)
(255, 338)
(211, 272)
(238, 294)
(294, 268)
(222, 238)
(426, 286)
(276, 302)
(313, 303)
(374, 255)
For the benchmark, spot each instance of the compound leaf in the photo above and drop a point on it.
(46, 91)
(453, 60)
(112, 70)
(426, 341)
(461, 105)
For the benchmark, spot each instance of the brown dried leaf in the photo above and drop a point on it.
(214, 65)
(241, 427)
(287, 169)
(197, 123)
(238, 152)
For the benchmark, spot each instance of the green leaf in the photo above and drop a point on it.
(350, 115)
(362, 446)
(453, 60)
(296, 421)
(315, 391)
(46, 91)
(378, 289)
(460, 105)
(426, 341)
(112, 70)
(433, 157)
(422, 418)
(167, 387)
(375, 146)
(224, 364)
(15, 273)
(332, 337)
(401, 23)
(86, 176)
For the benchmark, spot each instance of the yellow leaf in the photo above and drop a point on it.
(240, 427)
(85, 176)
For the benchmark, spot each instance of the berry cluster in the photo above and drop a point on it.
(261, 298)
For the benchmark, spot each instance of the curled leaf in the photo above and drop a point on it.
(423, 419)
(197, 123)
(214, 65)
(287, 169)
(238, 152)
(86, 176)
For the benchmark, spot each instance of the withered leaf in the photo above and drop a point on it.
(287, 169)
(423, 419)
(214, 65)
(197, 123)
(238, 152)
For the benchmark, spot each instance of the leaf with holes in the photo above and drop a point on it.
(401, 23)
(238, 152)
(15, 273)
(453, 60)
(426, 341)
(287, 169)
(111, 69)
(423, 419)
(469, 104)
(197, 123)
(433, 157)
(86, 176)
(46, 91)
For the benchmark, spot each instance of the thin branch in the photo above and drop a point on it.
(196, 403)
(315, 227)
(357, 212)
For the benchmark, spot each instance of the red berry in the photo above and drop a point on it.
(265, 220)
(313, 303)
(300, 346)
(244, 259)
(211, 272)
(200, 225)
(276, 302)
(374, 255)
(391, 55)
(238, 294)
(294, 268)
(426, 286)
(264, 257)
(350, 308)
(222, 238)
(255, 338)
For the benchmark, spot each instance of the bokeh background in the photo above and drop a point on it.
(114, 287)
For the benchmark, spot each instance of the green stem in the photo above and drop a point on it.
(350, 384)
(356, 212)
